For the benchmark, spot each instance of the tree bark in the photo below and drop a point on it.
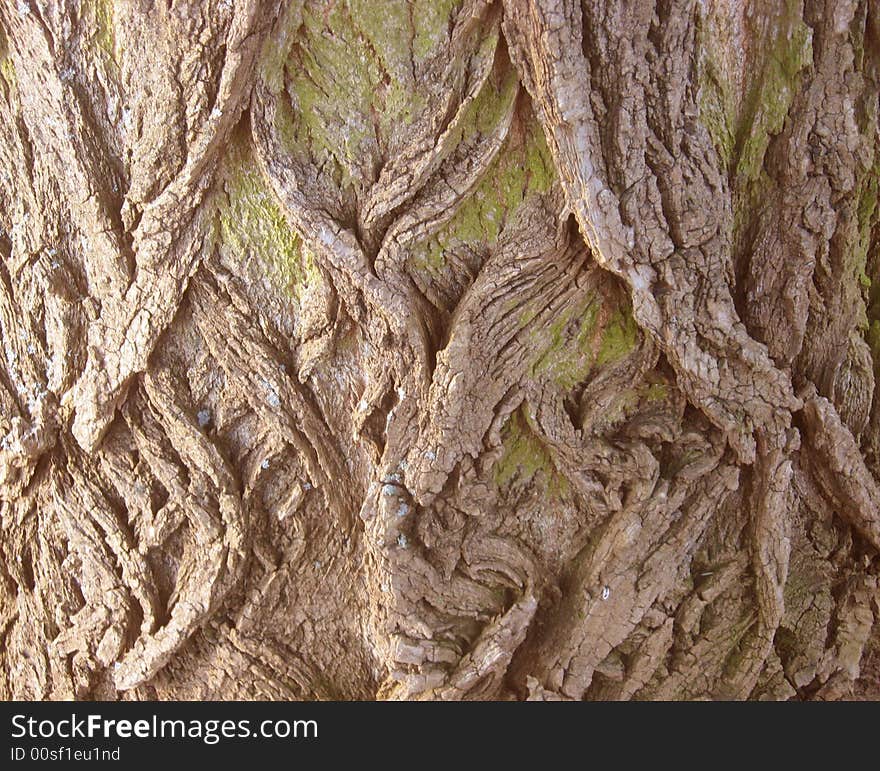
(439, 350)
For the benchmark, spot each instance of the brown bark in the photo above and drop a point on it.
(443, 350)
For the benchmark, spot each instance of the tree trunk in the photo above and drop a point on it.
(446, 349)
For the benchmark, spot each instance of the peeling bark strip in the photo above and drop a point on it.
(444, 350)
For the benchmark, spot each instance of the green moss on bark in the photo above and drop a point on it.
(349, 74)
(277, 48)
(7, 72)
(620, 337)
(873, 338)
(523, 167)
(716, 98)
(431, 24)
(570, 352)
(252, 225)
(867, 217)
(7, 68)
(591, 334)
(769, 100)
(525, 459)
(99, 14)
(744, 102)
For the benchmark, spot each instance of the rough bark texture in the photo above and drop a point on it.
(449, 349)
